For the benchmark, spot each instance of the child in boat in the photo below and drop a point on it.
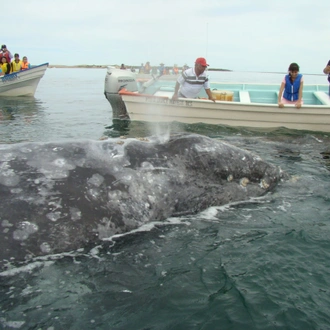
(16, 64)
(291, 87)
(25, 64)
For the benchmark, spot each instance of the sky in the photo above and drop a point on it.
(239, 35)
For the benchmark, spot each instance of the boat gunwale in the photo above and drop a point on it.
(23, 71)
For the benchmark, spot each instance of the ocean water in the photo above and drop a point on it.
(257, 264)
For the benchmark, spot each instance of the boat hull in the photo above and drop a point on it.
(22, 83)
(157, 109)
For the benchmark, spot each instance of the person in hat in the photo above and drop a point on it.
(16, 64)
(192, 80)
(5, 52)
(291, 89)
(326, 70)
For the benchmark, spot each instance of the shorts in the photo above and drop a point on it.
(285, 101)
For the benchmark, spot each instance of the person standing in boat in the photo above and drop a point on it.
(326, 70)
(192, 80)
(291, 89)
(5, 52)
(16, 65)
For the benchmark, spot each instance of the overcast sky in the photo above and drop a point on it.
(255, 35)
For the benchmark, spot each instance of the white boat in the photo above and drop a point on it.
(238, 104)
(22, 83)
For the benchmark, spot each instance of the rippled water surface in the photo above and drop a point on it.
(257, 264)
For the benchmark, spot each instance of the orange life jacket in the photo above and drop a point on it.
(25, 65)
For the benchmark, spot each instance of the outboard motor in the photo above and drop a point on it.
(115, 80)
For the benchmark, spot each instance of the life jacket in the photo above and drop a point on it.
(5, 67)
(25, 65)
(16, 66)
(291, 90)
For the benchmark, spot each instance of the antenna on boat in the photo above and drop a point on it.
(207, 38)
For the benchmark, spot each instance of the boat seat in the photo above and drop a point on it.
(244, 96)
(322, 97)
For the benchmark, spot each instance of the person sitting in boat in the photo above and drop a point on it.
(161, 69)
(5, 52)
(185, 67)
(5, 66)
(147, 68)
(192, 80)
(25, 64)
(326, 70)
(16, 64)
(123, 67)
(175, 69)
(291, 89)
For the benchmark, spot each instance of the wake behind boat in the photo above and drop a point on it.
(22, 83)
(238, 104)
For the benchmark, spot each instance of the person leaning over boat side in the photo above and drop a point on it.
(5, 66)
(326, 70)
(291, 87)
(25, 64)
(5, 52)
(16, 65)
(192, 80)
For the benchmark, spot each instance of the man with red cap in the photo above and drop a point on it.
(192, 80)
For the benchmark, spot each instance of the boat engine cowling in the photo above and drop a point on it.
(115, 80)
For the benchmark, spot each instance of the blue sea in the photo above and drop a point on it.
(260, 264)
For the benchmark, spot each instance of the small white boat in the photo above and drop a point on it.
(22, 83)
(238, 104)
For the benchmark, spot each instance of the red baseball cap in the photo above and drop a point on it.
(201, 61)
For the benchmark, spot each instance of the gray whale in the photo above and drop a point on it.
(57, 197)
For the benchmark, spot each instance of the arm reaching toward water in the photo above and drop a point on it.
(298, 104)
(280, 93)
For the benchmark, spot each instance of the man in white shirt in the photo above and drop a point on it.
(192, 80)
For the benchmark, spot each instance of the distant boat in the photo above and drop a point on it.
(238, 104)
(22, 83)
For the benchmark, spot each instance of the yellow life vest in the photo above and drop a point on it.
(5, 67)
(16, 66)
